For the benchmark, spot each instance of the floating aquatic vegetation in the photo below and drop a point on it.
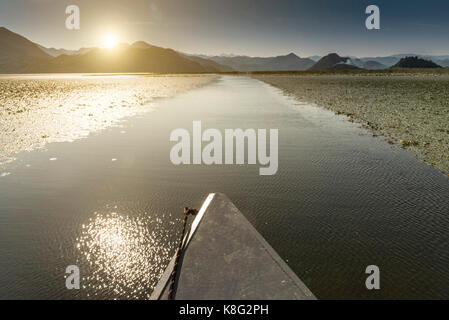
(410, 108)
(35, 110)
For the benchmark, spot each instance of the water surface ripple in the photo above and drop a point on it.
(341, 200)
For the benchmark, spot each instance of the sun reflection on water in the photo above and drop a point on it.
(125, 255)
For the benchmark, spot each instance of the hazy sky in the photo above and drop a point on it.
(249, 27)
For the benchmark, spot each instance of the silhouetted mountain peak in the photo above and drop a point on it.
(17, 52)
(415, 62)
(332, 56)
(333, 61)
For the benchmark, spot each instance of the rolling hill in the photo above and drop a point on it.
(17, 53)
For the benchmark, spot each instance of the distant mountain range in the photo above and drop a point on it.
(58, 52)
(20, 55)
(280, 63)
(389, 61)
(124, 59)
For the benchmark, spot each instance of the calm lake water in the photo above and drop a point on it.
(112, 203)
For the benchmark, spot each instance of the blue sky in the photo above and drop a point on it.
(249, 27)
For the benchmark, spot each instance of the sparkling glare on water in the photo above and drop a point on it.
(35, 110)
(125, 254)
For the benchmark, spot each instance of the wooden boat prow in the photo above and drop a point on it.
(225, 258)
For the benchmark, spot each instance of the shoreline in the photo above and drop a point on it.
(59, 108)
(410, 111)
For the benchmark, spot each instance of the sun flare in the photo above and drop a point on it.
(110, 41)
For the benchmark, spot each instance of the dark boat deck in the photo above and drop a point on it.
(225, 258)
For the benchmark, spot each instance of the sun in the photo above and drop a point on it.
(110, 41)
